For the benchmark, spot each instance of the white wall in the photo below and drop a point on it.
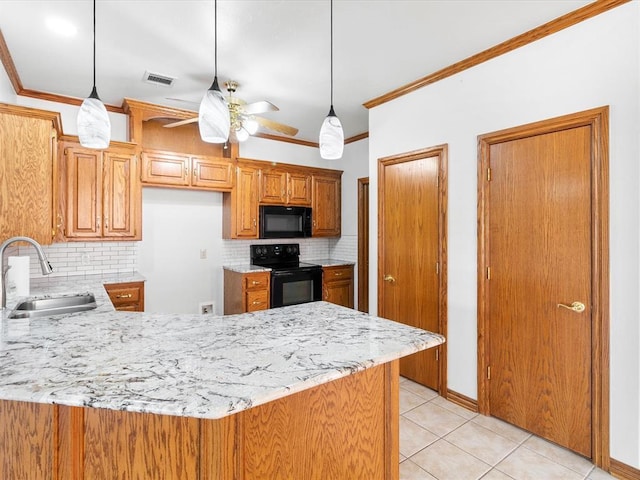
(592, 64)
(7, 93)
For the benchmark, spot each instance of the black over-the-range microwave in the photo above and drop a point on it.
(285, 222)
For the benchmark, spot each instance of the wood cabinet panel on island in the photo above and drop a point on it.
(28, 173)
(126, 296)
(246, 292)
(346, 428)
(337, 285)
(100, 192)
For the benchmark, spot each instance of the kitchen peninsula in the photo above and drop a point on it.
(300, 392)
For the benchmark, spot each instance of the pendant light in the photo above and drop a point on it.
(94, 126)
(331, 135)
(214, 121)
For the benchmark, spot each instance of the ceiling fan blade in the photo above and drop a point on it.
(181, 122)
(276, 127)
(259, 107)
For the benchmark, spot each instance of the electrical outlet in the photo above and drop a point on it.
(203, 254)
(206, 308)
(85, 259)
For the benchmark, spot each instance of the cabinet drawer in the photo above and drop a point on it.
(257, 300)
(255, 281)
(126, 296)
(338, 273)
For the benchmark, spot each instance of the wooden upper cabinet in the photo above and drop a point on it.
(102, 195)
(165, 168)
(240, 206)
(171, 169)
(280, 187)
(214, 173)
(28, 173)
(326, 206)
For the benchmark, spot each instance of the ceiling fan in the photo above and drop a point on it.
(244, 119)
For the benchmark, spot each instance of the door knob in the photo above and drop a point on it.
(389, 278)
(575, 306)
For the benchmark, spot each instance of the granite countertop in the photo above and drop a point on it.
(330, 262)
(245, 268)
(201, 366)
(248, 268)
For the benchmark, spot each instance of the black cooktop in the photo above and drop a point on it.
(278, 256)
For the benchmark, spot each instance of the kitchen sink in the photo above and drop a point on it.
(41, 307)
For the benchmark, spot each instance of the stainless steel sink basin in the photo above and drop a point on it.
(41, 307)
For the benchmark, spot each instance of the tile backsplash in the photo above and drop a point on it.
(237, 251)
(83, 258)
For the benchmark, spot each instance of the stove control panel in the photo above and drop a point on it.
(274, 253)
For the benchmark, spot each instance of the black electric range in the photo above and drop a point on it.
(292, 281)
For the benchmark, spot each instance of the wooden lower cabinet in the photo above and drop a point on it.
(344, 429)
(246, 292)
(128, 297)
(337, 285)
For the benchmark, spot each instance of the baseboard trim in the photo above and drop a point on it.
(623, 471)
(462, 400)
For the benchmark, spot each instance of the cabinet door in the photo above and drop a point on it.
(84, 193)
(120, 195)
(27, 173)
(337, 285)
(246, 211)
(214, 173)
(273, 187)
(126, 296)
(326, 206)
(164, 168)
(299, 189)
(257, 300)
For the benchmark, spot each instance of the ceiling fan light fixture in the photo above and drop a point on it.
(213, 116)
(241, 134)
(331, 137)
(250, 125)
(94, 126)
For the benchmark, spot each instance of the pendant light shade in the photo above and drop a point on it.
(94, 126)
(331, 135)
(214, 120)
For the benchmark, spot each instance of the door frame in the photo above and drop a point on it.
(440, 151)
(363, 245)
(598, 120)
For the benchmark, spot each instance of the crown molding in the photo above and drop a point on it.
(549, 28)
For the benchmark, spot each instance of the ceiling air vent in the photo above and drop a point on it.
(158, 79)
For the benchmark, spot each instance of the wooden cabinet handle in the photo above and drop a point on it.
(124, 295)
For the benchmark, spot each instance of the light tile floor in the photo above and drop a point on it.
(441, 440)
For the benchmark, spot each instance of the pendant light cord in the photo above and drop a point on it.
(331, 53)
(94, 43)
(215, 38)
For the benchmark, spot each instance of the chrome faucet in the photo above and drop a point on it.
(44, 263)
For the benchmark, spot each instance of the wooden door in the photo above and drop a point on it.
(326, 206)
(84, 193)
(543, 286)
(119, 195)
(409, 229)
(299, 189)
(363, 244)
(213, 173)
